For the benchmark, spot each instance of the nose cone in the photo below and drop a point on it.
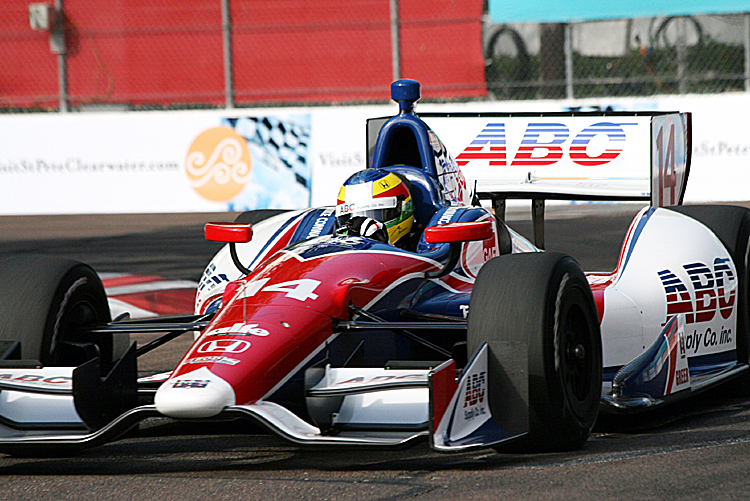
(197, 394)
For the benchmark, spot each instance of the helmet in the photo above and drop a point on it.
(380, 195)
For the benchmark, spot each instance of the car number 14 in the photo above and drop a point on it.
(300, 290)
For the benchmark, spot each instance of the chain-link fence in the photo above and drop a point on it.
(224, 53)
(633, 57)
(208, 53)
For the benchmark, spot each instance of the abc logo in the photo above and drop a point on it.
(218, 164)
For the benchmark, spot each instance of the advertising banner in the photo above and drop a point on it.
(153, 162)
(208, 161)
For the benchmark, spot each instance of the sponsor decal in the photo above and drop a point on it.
(449, 174)
(239, 329)
(711, 291)
(78, 165)
(160, 377)
(474, 395)
(36, 379)
(682, 377)
(709, 339)
(366, 205)
(447, 216)
(488, 145)
(382, 379)
(721, 148)
(708, 296)
(211, 281)
(337, 159)
(191, 383)
(224, 346)
(213, 360)
(679, 372)
(544, 143)
(218, 164)
(614, 132)
(464, 310)
(682, 345)
(475, 254)
(528, 153)
(320, 223)
(470, 404)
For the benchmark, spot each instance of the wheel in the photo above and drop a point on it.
(256, 216)
(731, 224)
(542, 301)
(44, 301)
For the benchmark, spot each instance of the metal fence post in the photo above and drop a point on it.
(395, 42)
(681, 54)
(226, 30)
(569, 60)
(57, 46)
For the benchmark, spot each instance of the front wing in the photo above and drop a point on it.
(53, 409)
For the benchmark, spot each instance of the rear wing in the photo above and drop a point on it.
(615, 156)
(609, 156)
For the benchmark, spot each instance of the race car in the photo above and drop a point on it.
(439, 322)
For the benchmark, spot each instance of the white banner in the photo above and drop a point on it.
(153, 162)
(201, 161)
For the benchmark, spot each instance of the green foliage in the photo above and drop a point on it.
(708, 67)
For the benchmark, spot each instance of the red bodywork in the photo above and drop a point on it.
(291, 302)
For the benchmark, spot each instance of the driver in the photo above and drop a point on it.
(376, 204)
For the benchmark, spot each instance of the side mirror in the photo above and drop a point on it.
(458, 232)
(455, 234)
(238, 233)
(232, 234)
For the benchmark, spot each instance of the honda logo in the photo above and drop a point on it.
(224, 345)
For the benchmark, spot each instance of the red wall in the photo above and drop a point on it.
(29, 71)
(169, 52)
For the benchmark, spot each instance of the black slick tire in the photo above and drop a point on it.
(256, 216)
(44, 301)
(542, 301)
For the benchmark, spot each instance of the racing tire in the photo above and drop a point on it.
(44, 301)
(256, 216)
(731, 225)
(541, 301)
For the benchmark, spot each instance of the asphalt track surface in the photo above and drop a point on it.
(696, 450)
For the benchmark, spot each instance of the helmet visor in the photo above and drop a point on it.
(381, 209)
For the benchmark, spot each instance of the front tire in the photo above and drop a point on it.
(44, 304)
(543, 302)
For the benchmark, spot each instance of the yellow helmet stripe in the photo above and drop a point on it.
(387, 183)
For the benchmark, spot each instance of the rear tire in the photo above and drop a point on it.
(44, 301)
(543, 301)
(256, 216)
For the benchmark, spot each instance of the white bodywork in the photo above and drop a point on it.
(221, 270)
(197, 394)
(38, 396)
(636, 304)
(371, 398)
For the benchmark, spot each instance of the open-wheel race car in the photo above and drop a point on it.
(410, 310)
